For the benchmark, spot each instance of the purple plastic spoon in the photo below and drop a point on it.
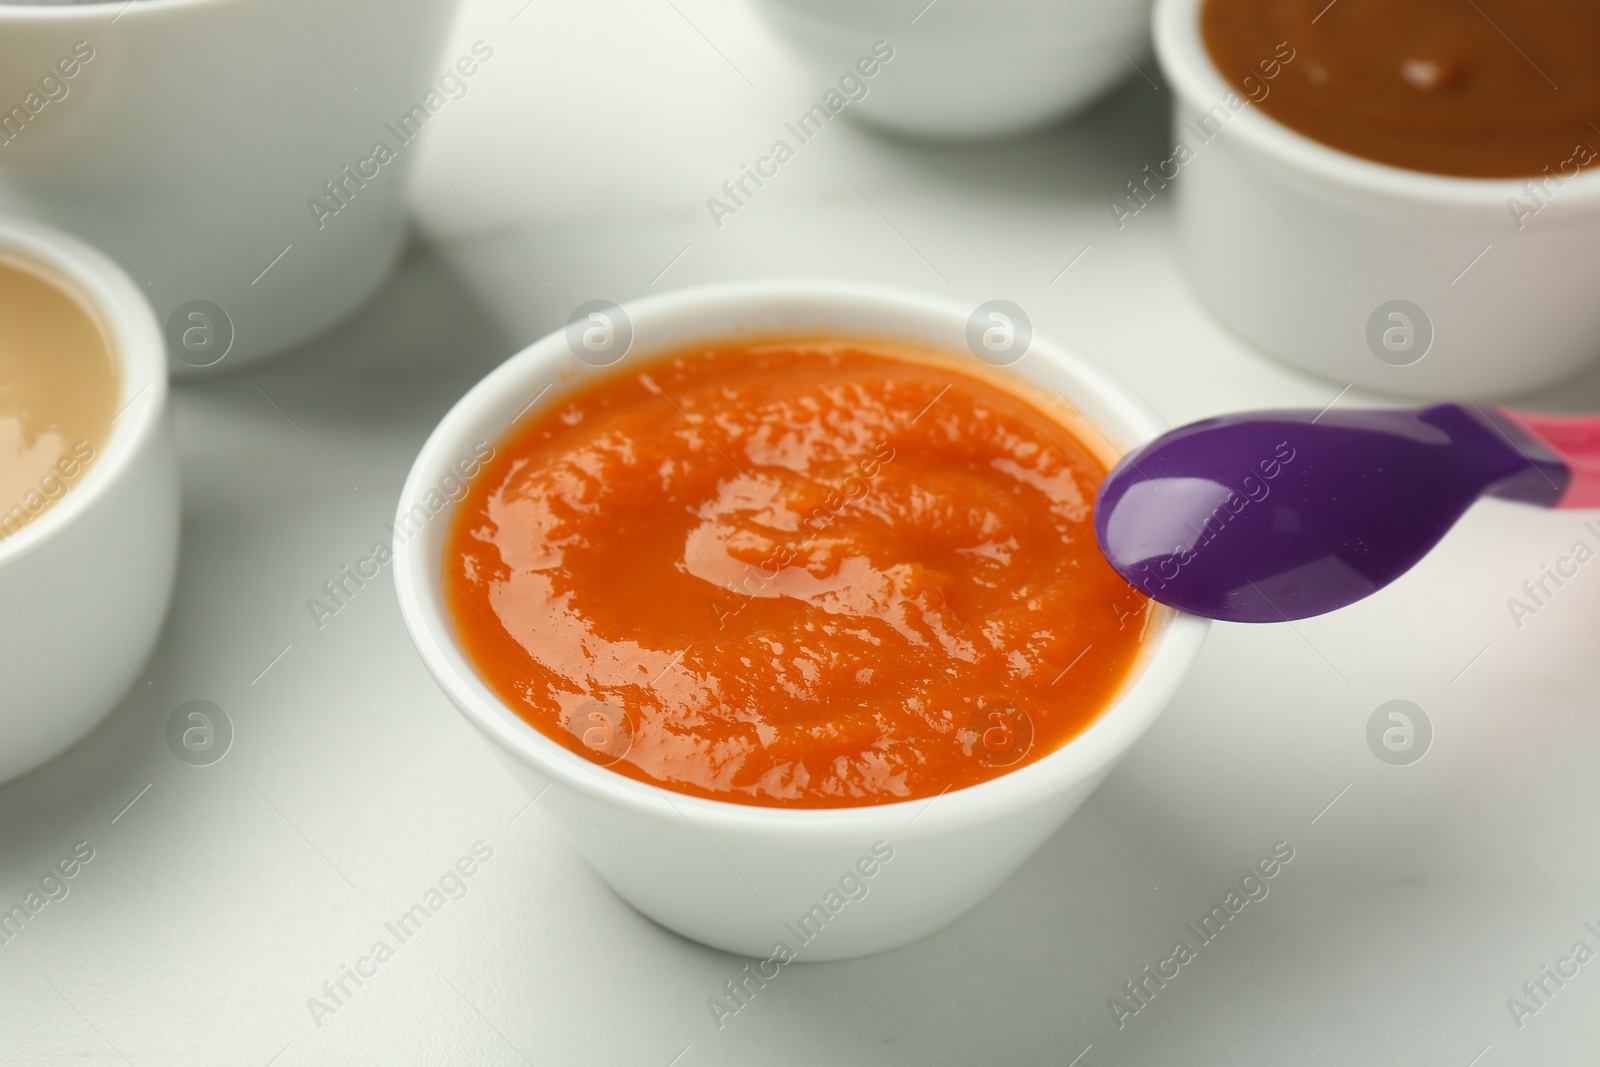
(1271, 516)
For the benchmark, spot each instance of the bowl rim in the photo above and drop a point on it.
(1165, 659)
(92, 11)
(993, 24)
(1188, 65)
(138, 352)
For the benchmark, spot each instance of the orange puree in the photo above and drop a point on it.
(794, 572)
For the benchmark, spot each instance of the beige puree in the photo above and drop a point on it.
(58, 391)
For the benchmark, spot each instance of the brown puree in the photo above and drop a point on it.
(58, 393)
(1473, 88)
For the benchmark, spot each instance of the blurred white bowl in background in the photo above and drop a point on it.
(969, 68)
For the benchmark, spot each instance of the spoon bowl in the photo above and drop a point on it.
(1273, 516)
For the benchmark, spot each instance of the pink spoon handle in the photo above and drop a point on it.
(1575, 440)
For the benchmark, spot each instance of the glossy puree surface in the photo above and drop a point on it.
(794, 573)
(58, 392)
(1474, 88)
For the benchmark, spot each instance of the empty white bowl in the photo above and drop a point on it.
(1392, 279)
(733, 875)
(85, 586)
(226, 151)
(967, 68)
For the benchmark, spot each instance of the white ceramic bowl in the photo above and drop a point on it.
(1303, 249)
(85, 586)
(731, 875)
(968, 68)
(203, 144)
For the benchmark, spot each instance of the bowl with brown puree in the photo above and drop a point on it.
(792, 602)
(1403, 197)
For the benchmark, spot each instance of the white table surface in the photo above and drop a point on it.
(578, 167)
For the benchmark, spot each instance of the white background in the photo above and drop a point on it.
(578, 167)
